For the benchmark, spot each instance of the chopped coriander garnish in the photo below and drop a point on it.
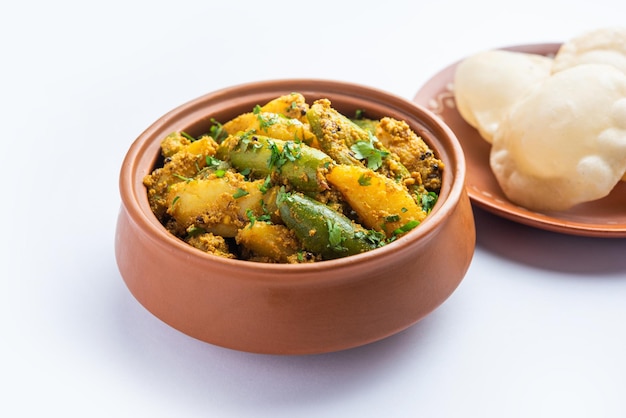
(392, 218)
(212, 161)
(250, 216)
(290, 152)
(266, 120)
(375, 237)
(335, 238)
(248, 138)
(406, 227)
(189, 137)
(193, 231)
(267, 183)
(217, 131)
(365, 180)
(276, 158)
(240, 193)
(253, 218)
(366, 150)
(428, 201)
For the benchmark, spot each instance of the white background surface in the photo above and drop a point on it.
(536, 329)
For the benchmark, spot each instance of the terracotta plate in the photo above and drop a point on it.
(601, 218)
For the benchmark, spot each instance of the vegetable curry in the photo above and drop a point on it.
(290, 182)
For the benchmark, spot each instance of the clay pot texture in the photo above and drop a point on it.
(304, 308)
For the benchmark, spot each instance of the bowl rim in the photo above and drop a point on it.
(134, 197)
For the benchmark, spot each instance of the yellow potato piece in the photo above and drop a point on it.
(241, 123)
(292, 105)
(184, 161)
(381, 203)
(274, 243)
(272, 125)
(205, 146)
(217, 205)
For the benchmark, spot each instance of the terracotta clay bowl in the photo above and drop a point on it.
(304, 308)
